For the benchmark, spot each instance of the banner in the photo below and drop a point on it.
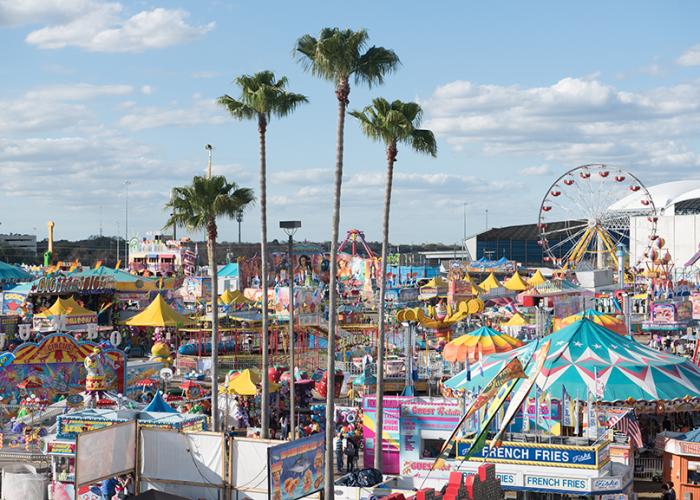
(295, 469)
(491, 410)
(511, 371)
(565, 408)
(521, 394)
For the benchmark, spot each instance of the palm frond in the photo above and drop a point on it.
(262, 95)
(423, 141)
(374, 64)
(199, 204)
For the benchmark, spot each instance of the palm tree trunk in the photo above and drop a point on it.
(264, 345)
(211, 246)
(342, 93)
(379, 405)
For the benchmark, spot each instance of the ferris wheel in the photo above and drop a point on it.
(582, 220)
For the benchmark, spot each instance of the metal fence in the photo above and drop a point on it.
(648, 468)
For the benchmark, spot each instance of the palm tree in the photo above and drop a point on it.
(197, 207)
(339, 55)
(262, 96)
(390, 123)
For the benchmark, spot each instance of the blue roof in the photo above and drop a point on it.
(693, 436)
(230, 270)
(159, 405)
(8, 272)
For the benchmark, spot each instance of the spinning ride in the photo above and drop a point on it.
(578, 230)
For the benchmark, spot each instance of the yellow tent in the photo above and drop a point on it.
(436, 282)
(66, 307)
(536, 279)
(490, 282)
(239, 298)
(516, 320)
(226, 298)
(158, 313)
(516, 283)
(246, 383)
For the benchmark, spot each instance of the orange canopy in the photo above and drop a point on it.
(483, 340)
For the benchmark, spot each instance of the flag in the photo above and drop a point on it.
(491, 410)
(469, 370)
(565, 408)
(521, 394)
(628, 424)
(510, 372)
(577, 420)
(481, 362)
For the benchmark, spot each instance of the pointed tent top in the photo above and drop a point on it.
(245, 383)
(226, 298)
(158, 313)
(490, 282)
(66, 307)
(608, 321)
(436, 282)
(159, 405)
(516, 283)
(536, 279)
(483, 340)
(516, 320)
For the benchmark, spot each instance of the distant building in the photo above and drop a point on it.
(157, 254)
(23, 242)
(519, 243)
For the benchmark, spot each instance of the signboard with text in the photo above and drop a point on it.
(295, 469)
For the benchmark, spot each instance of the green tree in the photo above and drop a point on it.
(338, 56)
(393, 124)
(263, 96)
(196, 207)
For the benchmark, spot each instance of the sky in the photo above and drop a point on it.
(95, 94)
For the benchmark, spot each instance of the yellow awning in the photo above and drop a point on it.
(516, 283)
(490, 282)
(516, 320)
(536, 279)
(66, 307)
(226, 298)
(158, 313)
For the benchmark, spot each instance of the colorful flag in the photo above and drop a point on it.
(512, 371)
(627, 423)
(565, 408)
(521, 394)
(577, 410)
(491, 409)
(469, 370)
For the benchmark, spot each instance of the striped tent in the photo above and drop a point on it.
(586, 356)
(483, 340)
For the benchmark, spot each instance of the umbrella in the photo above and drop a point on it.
(608, 321)
(483, 340)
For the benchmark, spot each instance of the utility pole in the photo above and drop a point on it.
(209, 148)
(126, 224)
(290, 227)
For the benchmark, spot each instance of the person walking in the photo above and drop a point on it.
(338, 446)
(284, 427)
(350, 451)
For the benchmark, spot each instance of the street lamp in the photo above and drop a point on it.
(126, 224)
(290, 227)
(239, 219)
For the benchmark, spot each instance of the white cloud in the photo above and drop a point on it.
(77, 92)
(20, 12)
(573, 120)
(690, 57)
(101, 27)
(537, 170)
(146, 90)
(202, 111)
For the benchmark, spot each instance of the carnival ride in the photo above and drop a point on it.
(353, 237)
(578, 230)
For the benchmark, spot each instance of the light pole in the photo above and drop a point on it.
(290, 227)
(209, 148)
(126, 224)
(239, 219)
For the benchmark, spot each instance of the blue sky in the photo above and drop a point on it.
(95, 92)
